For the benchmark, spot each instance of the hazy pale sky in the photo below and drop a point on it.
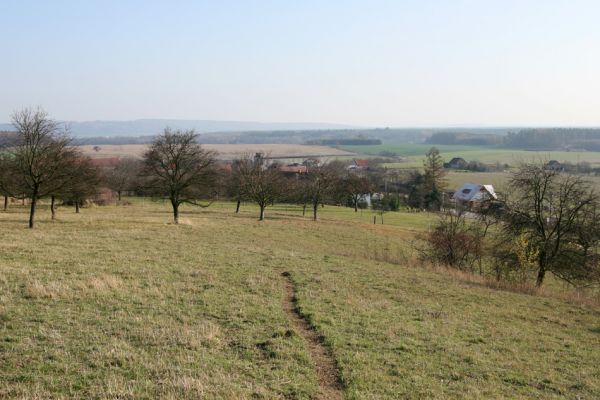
(384, 63)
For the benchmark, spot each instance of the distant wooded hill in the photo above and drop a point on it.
(587, 139)
(142, 127)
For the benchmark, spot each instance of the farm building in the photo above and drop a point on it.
(475, 195)
(359, 164)
(294, 169)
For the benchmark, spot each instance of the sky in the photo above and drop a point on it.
(366, 63)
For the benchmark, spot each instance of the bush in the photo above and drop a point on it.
(453, 242)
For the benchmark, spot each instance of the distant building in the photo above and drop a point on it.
(456, 163)
(359, 164)
(475, 195)
(311, 162)
(294, 168)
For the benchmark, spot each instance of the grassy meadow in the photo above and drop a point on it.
(117, 302)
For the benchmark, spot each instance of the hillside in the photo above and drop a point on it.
(117, 303)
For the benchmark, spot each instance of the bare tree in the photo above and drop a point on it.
(8, 186)
(556, 214)
(83, 181)
(234, 185)
(453, 241)
(178, 168)
(261, 183)
(123, 176)
(320, 185)
(355, 187)
(40, 156)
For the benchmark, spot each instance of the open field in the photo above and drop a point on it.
(226, 151)
(116, 302)
(416, 152)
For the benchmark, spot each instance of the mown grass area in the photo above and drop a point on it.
(416, 152)
(117, 302)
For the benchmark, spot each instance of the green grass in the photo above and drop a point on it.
(116, 302)
(416, 152)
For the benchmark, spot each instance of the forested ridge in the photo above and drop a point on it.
(531, 139)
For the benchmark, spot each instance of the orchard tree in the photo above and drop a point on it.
(355, 187)
(557, 217)
(39, 157)
(320, 184)
(123, 176)
(262, 183)
(8, 185)
(83, 181)
(178, 168)
(234, 185)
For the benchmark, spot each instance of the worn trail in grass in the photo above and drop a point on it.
(330, 387)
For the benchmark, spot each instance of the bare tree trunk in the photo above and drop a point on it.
(5, 202)
(76, 206)
(237, 206)
(262, 212)
(541, 271)
(52, 208)
(355, 204)
(381, 218)
(315, 209)
(119, 195)
(304, 209)
(32, 209)
(175, 212)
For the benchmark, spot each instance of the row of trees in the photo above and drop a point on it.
(39, 161)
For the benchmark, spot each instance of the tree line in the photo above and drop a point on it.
(587, 139)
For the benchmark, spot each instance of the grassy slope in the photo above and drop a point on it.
(118, 302)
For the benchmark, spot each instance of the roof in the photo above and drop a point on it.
(475, 192)
(361, 163)
(457, 159)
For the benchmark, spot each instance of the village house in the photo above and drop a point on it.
(473, 195)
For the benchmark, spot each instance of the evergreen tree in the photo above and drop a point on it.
(434, 178)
